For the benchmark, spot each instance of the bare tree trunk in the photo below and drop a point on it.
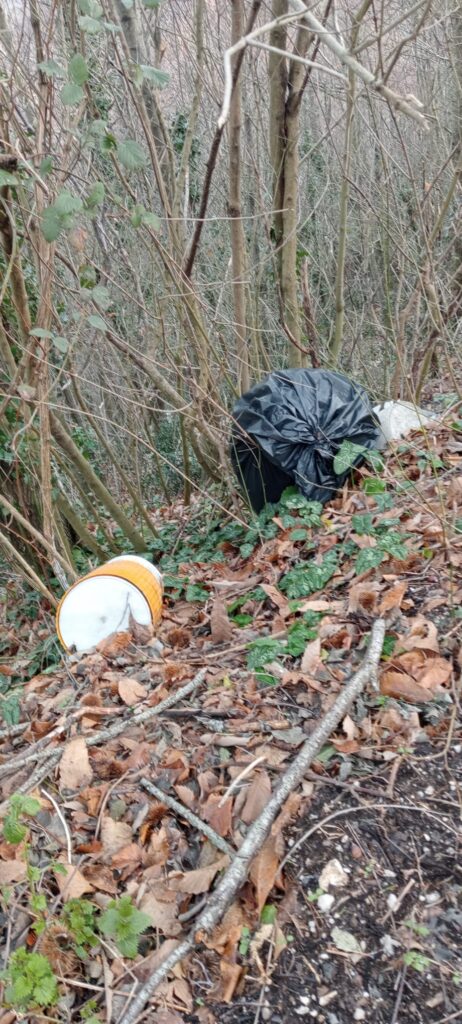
(278, 78)
(238, 248)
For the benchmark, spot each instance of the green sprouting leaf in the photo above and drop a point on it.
(46, 166)
(375, 459)
(71, 95)
(131, 155)
(154, 75)
(13, 831)
(269, 914)
(298, 636)
(347, 456)
(244, 943)
(61, 344)
(141, 216)
(90, 25)
(137, 215)
(51, 69)
(25, 804)
(413, 958)
(299, 534)
(124, 923)
(97, 322)
(40, 332)
(368, 558)
(393, 543)
(95, 196)
(6, 178)
(30, 981)
(78, 70)
(101, 296)
(263, 651)
(91, 7)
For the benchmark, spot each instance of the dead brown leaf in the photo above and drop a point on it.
(114, 645)
(364, 596)
(220, 626)
(258, 794)
(403, 687)
(75, 770)
(277, 598)
(73, 884)
(311, 659)
(12, 871)
(131, 691)
(114, 836)
(264, 870)
(200, 880)
(161, 906)
(218, 814)
(393, 598)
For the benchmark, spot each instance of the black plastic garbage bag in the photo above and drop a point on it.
(288, 429)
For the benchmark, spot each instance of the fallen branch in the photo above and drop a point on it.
(108, 734)
(188, 815)
(237, 873)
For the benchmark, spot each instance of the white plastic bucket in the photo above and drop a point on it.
(106, 599)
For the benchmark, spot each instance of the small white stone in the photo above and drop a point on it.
(266, 1013)
(302, 1011)
(388, 873)
(392, 901)
(359, 1014)
(329, 996)
(326, 902)
(333, 875)
(432, 897)
(429, 790)
(305, 999)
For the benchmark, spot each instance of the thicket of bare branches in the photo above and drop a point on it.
(156, 260)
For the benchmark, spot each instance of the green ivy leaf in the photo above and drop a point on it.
(368, 558)
(194, 592)
(347, 456)
(10, 709)
(373, 485)
(78, 70)
(131, 155)
(71, 95)
(307, 578)
(263, 651)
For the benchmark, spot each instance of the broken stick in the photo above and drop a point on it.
(237, 873)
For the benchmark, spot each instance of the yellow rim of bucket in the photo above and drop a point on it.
(140, 577)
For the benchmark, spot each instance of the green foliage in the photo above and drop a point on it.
(145, 72)
(6, 178)
(263, 651)
(14, 831)
(368, 558)
(95, 196)
(131, 155)
(78, 70)
(309, 512)
(269, 914)
(60, 215)
(79, 918)
(347, 456)
(30, 981)
(124, 923)
(194, 592)
(140, 217)
(299, 635)
(413, 958)
(51, 69)
(71, 95)
(96, 321)
(307, 578)
(10, 709)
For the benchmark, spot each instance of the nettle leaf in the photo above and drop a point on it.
(150, 220)
(51, 225)
(90, 25)
(95, 196)
(51, 68)
(154, 75)
(347, 456)
(71, 95)
(131, 155)
(97, 322)
(40, 332)
(61, 344)
(46, 166)
(368, 558)
(101, 296)
(78, 70)
(6, 178)
(91, 7)
(66, 203)
(373, 485)
(108, 142)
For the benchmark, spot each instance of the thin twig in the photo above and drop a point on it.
(62, 819)
(237, 873)
(242, 775)
(193, 819)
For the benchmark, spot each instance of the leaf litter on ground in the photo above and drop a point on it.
(278, 614)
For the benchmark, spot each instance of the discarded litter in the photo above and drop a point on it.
(288, 429)
(107, 599)
(397, 419)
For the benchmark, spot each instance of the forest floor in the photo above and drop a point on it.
(352, 908)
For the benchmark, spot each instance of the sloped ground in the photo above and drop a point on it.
(352, 909)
